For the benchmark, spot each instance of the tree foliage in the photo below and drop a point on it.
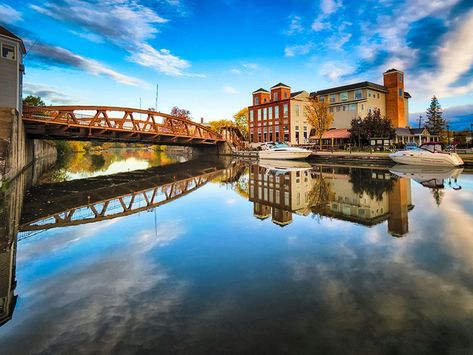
(373, 125)
(319, 117)
(241, 121)
(32, 100)
(435, 123)
(216, 126)
(180, 112)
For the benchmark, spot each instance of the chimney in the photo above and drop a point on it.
(201, 120)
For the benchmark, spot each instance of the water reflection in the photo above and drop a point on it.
(365, 196)
(178, 261)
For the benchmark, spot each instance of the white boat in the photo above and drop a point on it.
(282, 151)
(429, 176)
(284, 165)
(430, 154)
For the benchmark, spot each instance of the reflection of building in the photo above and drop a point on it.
(7, 283)
(399, 205)
(278, 193)
(364, 196)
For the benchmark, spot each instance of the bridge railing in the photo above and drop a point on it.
(99, 119)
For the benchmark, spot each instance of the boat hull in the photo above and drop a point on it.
(283, 155)
(426, 158)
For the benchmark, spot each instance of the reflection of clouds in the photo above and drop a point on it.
(59, 240)
(104, 305)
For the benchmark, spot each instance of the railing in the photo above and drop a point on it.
(115, 123)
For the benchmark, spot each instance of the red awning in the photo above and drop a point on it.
(340, 133)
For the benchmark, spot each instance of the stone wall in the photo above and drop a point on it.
(16, 151)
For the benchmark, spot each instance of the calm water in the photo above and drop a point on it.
(221, 257)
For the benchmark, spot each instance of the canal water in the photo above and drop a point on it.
(135, 253)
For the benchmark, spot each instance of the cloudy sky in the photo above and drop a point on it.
(209, 55)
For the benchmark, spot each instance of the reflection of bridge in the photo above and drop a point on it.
(107, 197)
(115, 124)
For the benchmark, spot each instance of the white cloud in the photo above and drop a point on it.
(230, 90)
(246, 68)
(127, 24)
(337, 42)
(9, 15)
(330, 6)
(48, 94)
(302, 49)
(52, 55)
(161, 60)
(295, 25)
(334, 70)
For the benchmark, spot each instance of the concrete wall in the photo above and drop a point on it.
(16, 151)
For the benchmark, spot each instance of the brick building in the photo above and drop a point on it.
(280, 114)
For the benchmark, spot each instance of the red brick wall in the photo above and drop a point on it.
(394, 101)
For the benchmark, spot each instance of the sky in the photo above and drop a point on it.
(208, 56)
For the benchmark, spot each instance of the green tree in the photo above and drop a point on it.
(31, 100)
(373, 125)
(435, 123)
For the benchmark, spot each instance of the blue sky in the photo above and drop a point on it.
(208, 56)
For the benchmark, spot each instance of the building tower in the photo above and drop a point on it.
(280, 92)
(260, 96)
(394, 83)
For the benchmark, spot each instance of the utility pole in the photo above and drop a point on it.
(448, 134)
(420, 121)
(156, 102)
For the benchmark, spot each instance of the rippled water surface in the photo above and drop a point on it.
(220, 257)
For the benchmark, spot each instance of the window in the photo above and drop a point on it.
(344, 96)
(296, 109)
(8, 52)
(305, 128)
(338, 108)
(400, 78)
(285, 95)
(276, 111)
(344, 107)
(251, 115)
(352, 107)
(259, 114)
(330, 109)
(333, 98)
(265, 113)
(321, 98)
(358, 94)
(256, 100)
(275, 96)
(362, 107)
(297, 128)
(264, 100)
(378, 96)
(400, 92)
(286, 110)
(270, 112)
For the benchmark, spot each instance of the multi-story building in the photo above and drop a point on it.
(12, 51)
(357, 100)
(278, 115)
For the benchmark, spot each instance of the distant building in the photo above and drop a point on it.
(417, 135)
(12, 50)
(280, 114)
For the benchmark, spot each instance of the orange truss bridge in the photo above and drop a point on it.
(117, 124)
(103, 198)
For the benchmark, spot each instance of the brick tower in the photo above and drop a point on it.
(394, 82)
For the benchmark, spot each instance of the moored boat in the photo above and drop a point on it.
(282, 151)
(428, 154)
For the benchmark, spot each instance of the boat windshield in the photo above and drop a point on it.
(280, 145)
(432, 147)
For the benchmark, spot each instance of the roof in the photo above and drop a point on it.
(391, 70)
(7, 33)
(294, 94)
(260, 90)
(337, 133)
(403, 132)
(418, 130)
(407, 95)
(360, 85)
(280, 84)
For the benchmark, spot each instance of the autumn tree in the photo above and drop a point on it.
(435, 123)
(180, 112)
(241, 121)
(217, 125)
(319, 117)
(32, 100)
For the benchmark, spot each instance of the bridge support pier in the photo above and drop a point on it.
(223, 148)
(17, 151)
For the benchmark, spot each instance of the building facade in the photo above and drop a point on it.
(12, 51)
(357, 100)
(278, 115)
